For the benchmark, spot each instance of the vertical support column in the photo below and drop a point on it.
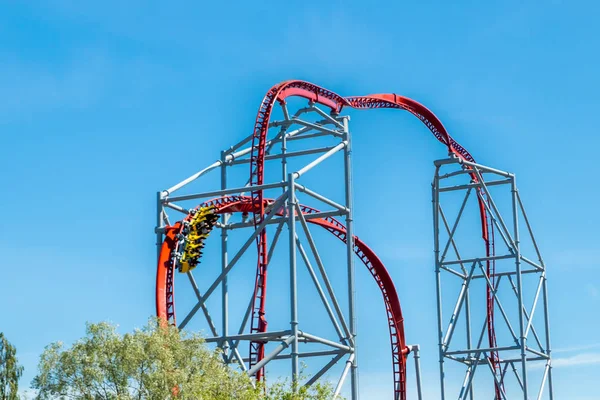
(224, 261)
(468, 323)
(517, 250)
(350, 254)
(293, 283)
(547, 326)
(438, 283)
(415, 350)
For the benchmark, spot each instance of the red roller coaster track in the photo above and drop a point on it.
(257, 204)
(165, 307)
(279, 93)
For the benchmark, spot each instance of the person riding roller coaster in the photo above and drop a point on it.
(190, 241)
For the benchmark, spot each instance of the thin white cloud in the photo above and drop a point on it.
(576, 348)
(577, 360)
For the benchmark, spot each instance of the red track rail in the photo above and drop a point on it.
(165, 271)
(336, 103)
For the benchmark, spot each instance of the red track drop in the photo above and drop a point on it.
(230, 204)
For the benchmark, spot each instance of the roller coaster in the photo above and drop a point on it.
(180, 247)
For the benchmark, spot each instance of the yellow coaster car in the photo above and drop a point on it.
(198, 228)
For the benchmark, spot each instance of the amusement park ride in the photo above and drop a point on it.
(497, 340)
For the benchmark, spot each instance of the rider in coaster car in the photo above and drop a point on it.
(195, 231)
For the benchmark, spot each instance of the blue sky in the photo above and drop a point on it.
(101, 104)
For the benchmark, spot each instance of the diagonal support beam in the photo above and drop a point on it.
(490, 202)
(503, 234)
(451, 233)
(544, 379)
(324, 300)
(328, 286)
(458, 308)
(325, 115)
(319, 197)
(533, 307)
(470, 373)
(498, 303)
(535, 245)
(514, 369)
(498, 384)
(343, 377)
(323, 370)
(526, 314)
(503, 375)
(251, 302)
(211, 324)
(451, 240)
(259, 365)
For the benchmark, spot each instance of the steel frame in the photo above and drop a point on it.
(264, 213)
(472, 271)
(343, 347)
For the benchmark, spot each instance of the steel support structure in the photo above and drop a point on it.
(292, 342)
(515, 284)
(273, 203)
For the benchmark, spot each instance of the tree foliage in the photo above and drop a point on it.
(10, 370)
(156, 362)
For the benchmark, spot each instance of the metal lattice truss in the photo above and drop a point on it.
(514, 283)
(284, 209)
(274, 201)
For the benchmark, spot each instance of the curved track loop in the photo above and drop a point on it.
(336, 103)
(165, 309)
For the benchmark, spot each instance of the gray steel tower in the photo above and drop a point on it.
(500, 343)
(300, 143)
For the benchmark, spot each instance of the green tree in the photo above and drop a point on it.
(10, 370)
(156, 362)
